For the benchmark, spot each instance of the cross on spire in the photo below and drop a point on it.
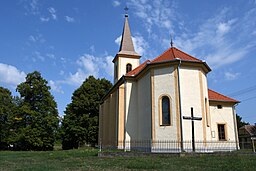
(171, 42)
(126, 11)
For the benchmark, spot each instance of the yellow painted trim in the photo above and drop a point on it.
(202, 104)
(153, 103)
(177, 104)
(121, 116)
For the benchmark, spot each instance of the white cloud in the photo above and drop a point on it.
(51, 56)
(11, 75)
(231, 76)
(116, 3)
(140, 44)
(91, 65)
(215, 39)
(44, 19)
(76, 78)
(156, 13)
(52, 11)
(69, 19)
(37, 39)
(55, 87)
(92, 48)
(118, 40)
(62, 72)
(37, 55)
(31, 7)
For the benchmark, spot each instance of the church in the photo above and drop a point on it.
(164, 104)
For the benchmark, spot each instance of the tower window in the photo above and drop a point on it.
(128, 68)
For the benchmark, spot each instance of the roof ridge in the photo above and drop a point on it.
(161, 54)
(187, 54)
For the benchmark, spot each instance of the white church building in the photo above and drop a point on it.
(150, 104)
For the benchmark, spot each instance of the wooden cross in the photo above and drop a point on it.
(192, 118)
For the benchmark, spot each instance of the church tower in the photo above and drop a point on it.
(126, 59)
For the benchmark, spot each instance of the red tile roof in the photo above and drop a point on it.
(214, 96)
(172, 53)
(138, 69)
(169, 55)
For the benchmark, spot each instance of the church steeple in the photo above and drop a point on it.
(126, 46)
(126, 59)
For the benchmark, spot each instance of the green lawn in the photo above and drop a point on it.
(86, 159)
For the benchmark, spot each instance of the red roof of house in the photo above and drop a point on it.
(172, 53)
(214, 96)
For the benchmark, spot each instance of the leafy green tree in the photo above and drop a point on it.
(80, 123)
(37, 119)
(6, 113)
(240, 122)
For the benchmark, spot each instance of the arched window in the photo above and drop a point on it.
(128, 68)
(165, 111)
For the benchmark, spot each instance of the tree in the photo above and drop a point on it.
(37, 119)
(80, 123)
(240, 122)
(6, 112)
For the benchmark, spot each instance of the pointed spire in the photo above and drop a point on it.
(126, 46)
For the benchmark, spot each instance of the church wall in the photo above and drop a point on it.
(164, 84)
(107, 121)
(112, 119)
(144, 108)
(191, 86)
(222, 116)
(131, 120)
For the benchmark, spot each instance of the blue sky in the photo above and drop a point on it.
(69, 40)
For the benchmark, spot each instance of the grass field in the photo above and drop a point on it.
(87, 159)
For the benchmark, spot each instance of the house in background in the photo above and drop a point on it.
(246, 135)
(153, 102)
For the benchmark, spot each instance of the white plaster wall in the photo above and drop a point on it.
(164, 83)
(191, 97)
(144, 108)
(123, 62)
(222, 116)
(131, 120)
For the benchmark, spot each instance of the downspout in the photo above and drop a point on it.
(181, 128)
(235, 126)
